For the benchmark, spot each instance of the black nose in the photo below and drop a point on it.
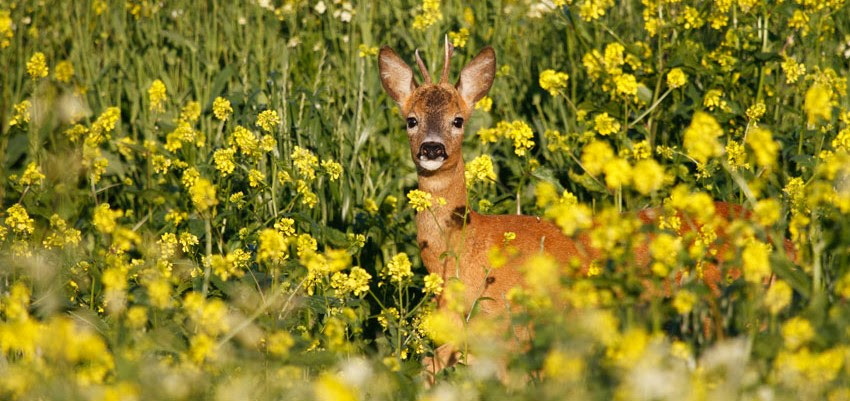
(432, 150)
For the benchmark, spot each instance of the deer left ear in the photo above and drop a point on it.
(396, 76)
(477, 77)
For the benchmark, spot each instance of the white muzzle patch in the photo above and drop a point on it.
(431, 165)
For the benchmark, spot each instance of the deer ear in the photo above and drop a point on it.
(477, 77)
(396, 76)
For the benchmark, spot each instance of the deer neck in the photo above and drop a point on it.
(439, 228)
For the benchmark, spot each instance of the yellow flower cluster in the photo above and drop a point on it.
(356, 282)
(222, 108)
(518, 131)
(273, 247)
(553, 81)
(480, 169)
(419, 200)
(676, 78)
(268, 120)
(203, 195)
(22, 113)
(37, 66)
(6, 29)
(398, 268)
(700, 138)
(429, 15)
(157, 96)
(459, 38)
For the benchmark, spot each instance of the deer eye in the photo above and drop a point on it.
(458, 122)
(411, 122)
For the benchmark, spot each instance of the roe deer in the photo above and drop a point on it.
(436, 114)
(453, 239)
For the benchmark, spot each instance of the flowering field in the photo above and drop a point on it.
(216, 200)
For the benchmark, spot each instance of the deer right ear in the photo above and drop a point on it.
(477, 77)
(396, 76)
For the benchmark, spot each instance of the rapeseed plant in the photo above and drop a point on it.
(239, 232)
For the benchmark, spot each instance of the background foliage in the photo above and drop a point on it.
(207, 200)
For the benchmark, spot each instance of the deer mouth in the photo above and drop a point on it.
(432, 155)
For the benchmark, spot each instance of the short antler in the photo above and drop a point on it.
(422, 68)
(449, 49)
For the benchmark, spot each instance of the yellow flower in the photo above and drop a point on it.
(22, 113)
(778, 296)
(713, 99)
(279, 343)
(764, 147)
(6, 29)
(553, 81)
(32, 175)
(64, 71)
(767, 212)
(755, 111)
(398, 268)
(365, 51)
(591, 10)
(480, 169)
(157, 96)
(459, 38)
(221, 108)
(201, 348)
(245, 140)
(255, 178)
(817, 104)
(224, 162)
(19, 220)
(796, 332)
(684, 301)
(188, 240)
(103, 218)
(286, 226)
(419, 200)
(268, 143)
(792, 70)
(429, 15)
(627, 85)
(37, 66)
(648, 176)
(305, 162)
(203, 195)
(756, 261)
(676, 78)
(356, 282)
(332, 168)
(329, 387)
(736, 155)
(605, 125)
(273, 246)
(700, 139)
(595, 155)
(104, 124)
(433, 284)
(191, 112)
(485, 104)
(563, 366)
(691, 18)
(268, 120)
(618, 173)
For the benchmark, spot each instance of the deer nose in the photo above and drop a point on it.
(432, 150)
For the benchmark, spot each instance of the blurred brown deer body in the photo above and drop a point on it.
(454, 241)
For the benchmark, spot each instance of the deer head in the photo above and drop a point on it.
(436, 113)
